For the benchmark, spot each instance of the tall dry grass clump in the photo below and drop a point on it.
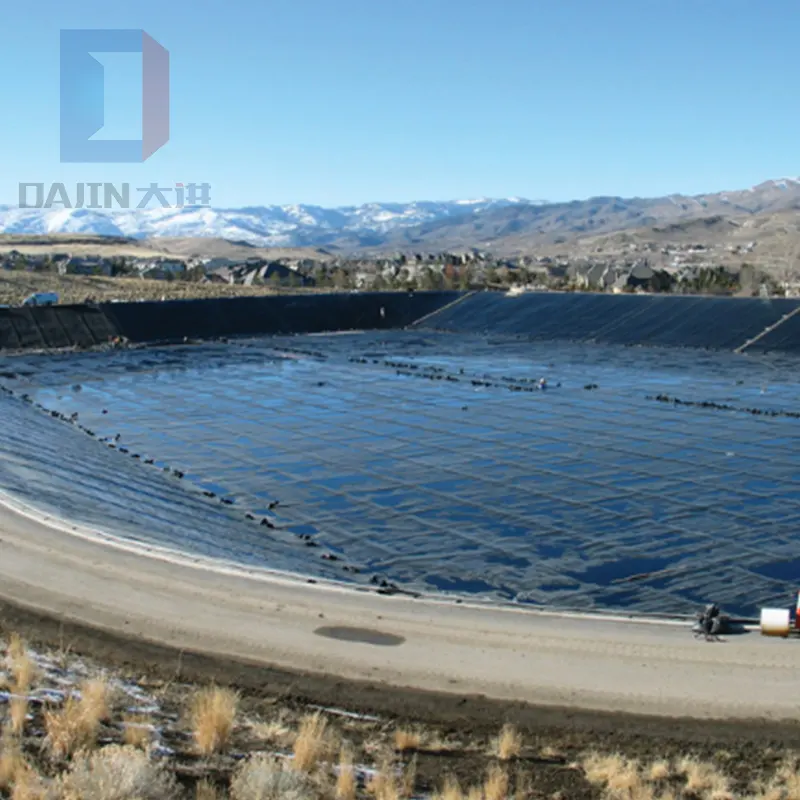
(409, 778)
(12, 763)
(16, 645)
(24, 673)
(117, 773)
(405, 740)
(75, 725)
(495, 786)
(213, 715)
(392, 781)
(21, 665)
(68, 730)
(384, 784)
(508, 744)
(346, 775)
(311, 744)
(451, 790)
(96, 698)
(18, 714)
(262, 777)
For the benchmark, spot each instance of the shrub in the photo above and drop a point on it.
(263, 778)
(117, 773)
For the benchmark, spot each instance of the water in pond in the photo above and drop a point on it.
(431, 461)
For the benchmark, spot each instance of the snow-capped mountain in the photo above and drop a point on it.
(277, 226)
(481, 222)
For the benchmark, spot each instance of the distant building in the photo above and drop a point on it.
(84, 266)
(162, 269)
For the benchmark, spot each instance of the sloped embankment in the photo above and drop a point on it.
(717, 323)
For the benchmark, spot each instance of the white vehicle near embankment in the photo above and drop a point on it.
(41, 299)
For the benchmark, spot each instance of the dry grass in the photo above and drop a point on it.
(66, 729)
(117, 773)
(786, 783)
(508, 744)
(24, 671)
(436, 744)
(311, 744)
(627, 782)
(138, 731)
(392, 783)
(451, 790)
(28, 785)
(623, 778)
(263, 778)
(409, 778)
(551, 753)
(405, 739)
(213, 714)
(659, 770)
(95, 699)
(18, 714)
(772, 793)
(703, 778)
(74, 727)
(496, 785)
(16, 646)
(273, 732)
(12, 763)
(346, 777)
(600, 769)
(204, 790)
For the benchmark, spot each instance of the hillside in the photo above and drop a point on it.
(759, 225)
(381, 226)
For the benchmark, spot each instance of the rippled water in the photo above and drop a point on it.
(392, 455)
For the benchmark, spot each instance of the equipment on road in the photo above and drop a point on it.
(783, 622)
(711, 623)
(775, 622)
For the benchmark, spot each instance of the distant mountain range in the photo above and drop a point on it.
(503, 225)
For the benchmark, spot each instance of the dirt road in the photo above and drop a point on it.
(393, 640)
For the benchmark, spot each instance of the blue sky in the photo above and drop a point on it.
(335, 102)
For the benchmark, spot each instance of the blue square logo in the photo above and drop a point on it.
(82, 96)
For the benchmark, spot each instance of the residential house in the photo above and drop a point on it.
(89, 265)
